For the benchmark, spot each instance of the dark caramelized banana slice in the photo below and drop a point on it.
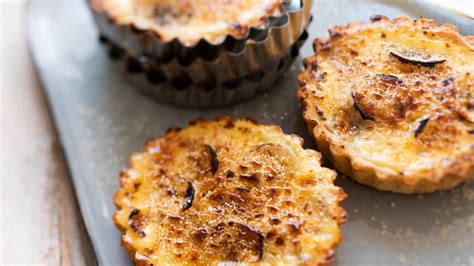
(391, 103)
(224, 191)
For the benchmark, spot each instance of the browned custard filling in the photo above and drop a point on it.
(192, 20)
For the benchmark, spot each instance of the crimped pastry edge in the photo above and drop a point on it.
(340, 216)
(361, 170)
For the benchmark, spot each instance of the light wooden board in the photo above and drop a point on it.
(40, 221)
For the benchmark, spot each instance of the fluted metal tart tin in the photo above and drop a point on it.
(182, 91)
(231, 59)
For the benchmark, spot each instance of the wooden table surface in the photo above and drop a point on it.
(40, 218)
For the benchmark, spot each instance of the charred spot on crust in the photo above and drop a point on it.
(275, 220)
(250, 120)
(326, 46)
(230, 174)
(229, 124)
(189, 196)
(320, 112)
(200, 234)
(236, 26)
(214, 161)
(391, 79)
(244, 167)
(294, 227)
(250, 177)
(320, 76)
(135, 225)
(471, 132)
(417, 58)
(463, 116)
(164, 14)
(196, 121)
(334, 34)
(364, 114)
(375, 18)
(447, 82)
(251, 235)
(137, 229)
(244, 190)
(236, 241)
(421, 125)
(279, 241)
(310, 63)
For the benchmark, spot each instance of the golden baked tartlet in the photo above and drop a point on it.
(191, 20)
(391, 103)
(224, 191)
(202, 53)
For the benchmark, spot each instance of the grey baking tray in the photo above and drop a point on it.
(101, 119)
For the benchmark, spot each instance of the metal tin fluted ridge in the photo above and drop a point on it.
(253, 54)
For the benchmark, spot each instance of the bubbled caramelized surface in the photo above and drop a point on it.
(397, 94)
(228, 191)
(192, 20)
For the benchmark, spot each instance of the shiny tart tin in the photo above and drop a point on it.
(213, 57)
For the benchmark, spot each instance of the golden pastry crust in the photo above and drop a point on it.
(228, 191)
(391, 103)
(191, 20)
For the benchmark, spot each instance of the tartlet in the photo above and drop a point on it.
(224, 191)
(391, 103)
(189, 21)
